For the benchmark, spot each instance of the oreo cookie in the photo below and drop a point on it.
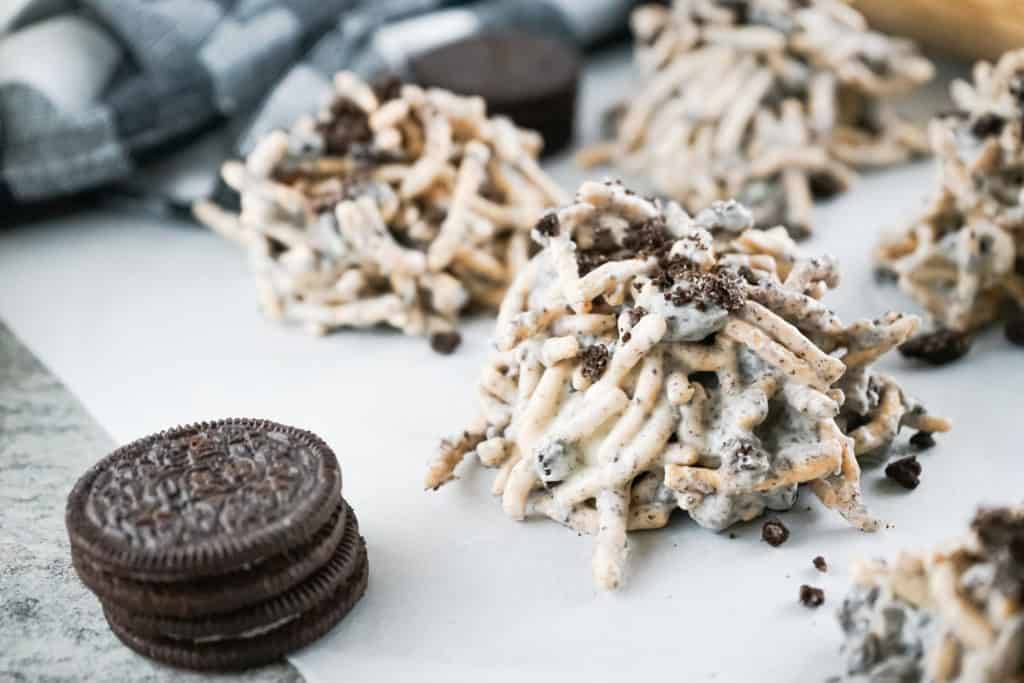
(222, 593)
(258, 649)
(531, 79)
(341, 567)
(203, 500)
(219, 545)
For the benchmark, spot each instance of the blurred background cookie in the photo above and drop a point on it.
(531, 79)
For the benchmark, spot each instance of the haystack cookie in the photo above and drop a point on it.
(647, 360)
(951, 615)
(394, 205)
(768, 101)
(963, 258)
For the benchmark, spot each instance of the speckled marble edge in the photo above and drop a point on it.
(51, 627)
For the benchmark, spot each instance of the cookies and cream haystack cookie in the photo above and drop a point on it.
(963, 258)
(394, 205)
(955, 614)
(647, 361)
(771, 102)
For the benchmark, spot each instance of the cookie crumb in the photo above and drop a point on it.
(387, 87)
(820, 564)
(774, 533)
(595, 360)
(1015, 331)
(683, 284)
(988, 124)
(548, 225)
(885, 276)
(906, 472)
(922, 441)
(349, 126)
(445, 343)
(811, 597)
(937, 348)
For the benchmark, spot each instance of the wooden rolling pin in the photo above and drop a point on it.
(973, 29)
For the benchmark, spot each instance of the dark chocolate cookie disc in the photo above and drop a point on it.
(223, 593)
(347, 558)
(203, 500)
(531, 79)
(257, 650)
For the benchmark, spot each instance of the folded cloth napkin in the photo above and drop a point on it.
(89, 89)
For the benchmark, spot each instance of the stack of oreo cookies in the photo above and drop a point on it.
(220, 545)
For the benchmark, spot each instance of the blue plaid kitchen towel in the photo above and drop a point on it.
(90, 89)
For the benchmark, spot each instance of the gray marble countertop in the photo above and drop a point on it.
(51, 627)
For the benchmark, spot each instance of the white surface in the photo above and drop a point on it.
(155, 324)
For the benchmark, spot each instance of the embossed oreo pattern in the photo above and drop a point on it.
(201, 499)
(197, 486)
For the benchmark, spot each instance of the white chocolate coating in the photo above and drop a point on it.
(963, 258)
(642, 367)
(427, 210)
(768, 101)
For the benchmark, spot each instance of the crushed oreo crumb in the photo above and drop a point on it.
(588, 259)
(648, 238)
(548, 225)
(824, 185)
(433, 214)
(906, 472)
(683, 284)
(988, 124)
(1017, 89)
(1015, 330)
(636, 314)
(939, 347)
(884, 276)
(811, 596)
(445, 342)
(820, 564)
(595, 360)
(856, 421)
(922, 441)
(388, 87)
(774, 533)
(797, 231)
(348, 127)
(1000, 533)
